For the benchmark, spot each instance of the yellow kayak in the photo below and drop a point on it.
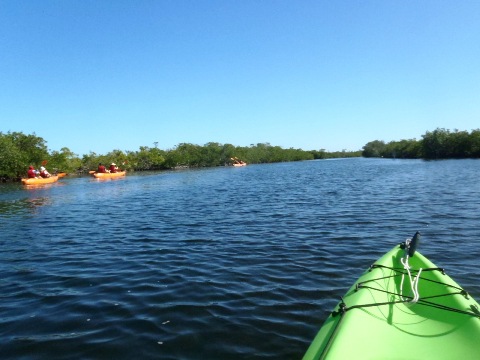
(39, 181)
(109, 175)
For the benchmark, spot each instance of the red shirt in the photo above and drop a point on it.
(113, 169)
(101, 169)
(32, 174)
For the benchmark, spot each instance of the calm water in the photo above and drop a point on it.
(224, 263)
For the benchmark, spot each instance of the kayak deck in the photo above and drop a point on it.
(376, 319)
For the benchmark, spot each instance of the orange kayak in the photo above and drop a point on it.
(35, 181)
(109, 175)
(60, 175)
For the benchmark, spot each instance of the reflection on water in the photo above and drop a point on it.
(23, 206)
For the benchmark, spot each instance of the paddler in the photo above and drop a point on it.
(31, 173)
(44, 173)
(101, 168)
(113, 168)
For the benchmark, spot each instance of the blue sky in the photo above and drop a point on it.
(95, 75)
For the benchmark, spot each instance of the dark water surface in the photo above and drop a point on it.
(224, 263)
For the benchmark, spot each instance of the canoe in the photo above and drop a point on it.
(109, 175)
(39, 181)
(397, 311)
(237, 164)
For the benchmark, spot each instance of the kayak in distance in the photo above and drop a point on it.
(402, 307)
(40, 181)
(109, 175)
(237, 162)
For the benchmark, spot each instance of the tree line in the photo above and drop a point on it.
(19, 150)
(438, 144)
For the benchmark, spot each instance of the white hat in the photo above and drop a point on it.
(42, 168)
(113, 164)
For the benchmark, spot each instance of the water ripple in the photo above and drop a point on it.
(217, 263)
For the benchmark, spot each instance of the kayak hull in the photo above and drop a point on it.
(109, 175)
(378, 321)
(39, 181)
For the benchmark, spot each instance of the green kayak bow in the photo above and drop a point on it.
(402, 307)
